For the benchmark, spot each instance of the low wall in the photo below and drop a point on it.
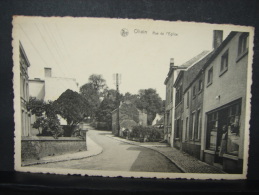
(36, 147)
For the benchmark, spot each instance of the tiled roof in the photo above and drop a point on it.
(195, 59)
(191, 73)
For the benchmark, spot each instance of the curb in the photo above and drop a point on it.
(176, 164)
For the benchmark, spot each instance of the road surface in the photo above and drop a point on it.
(118, 156)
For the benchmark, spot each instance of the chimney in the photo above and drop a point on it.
(217, 38)
(171, 62)
(47, 72)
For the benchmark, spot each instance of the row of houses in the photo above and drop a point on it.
(206, 103)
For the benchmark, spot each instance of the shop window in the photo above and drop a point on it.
(224, 63)
(210, 76)
(212, 128)
(233, 130)
(223, 128)
(243, 44)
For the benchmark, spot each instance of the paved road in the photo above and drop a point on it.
(118, 156)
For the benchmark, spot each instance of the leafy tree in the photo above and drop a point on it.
(36, 106)
(47, 122)
(108, 104)
(133, 98)
(92, 96)
(98, 82)
(151, 102)
(94, 91)
(72, 107)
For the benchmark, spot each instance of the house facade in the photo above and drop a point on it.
(24, 92)
(178, 119)
(169, 103)
(193, 88)
(49, 89)
(225, 101)
(129, 116)
(210, 104)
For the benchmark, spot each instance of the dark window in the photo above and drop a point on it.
(192, 126)
(210, 76)
(200, 85)
(224, 62)
(243, 44)
(178, 95)
(187, 101)
(178, 124)
(198, 126)
(186, 128)
(212, 128)
(193, 92)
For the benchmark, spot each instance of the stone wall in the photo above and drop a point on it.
(34, 148)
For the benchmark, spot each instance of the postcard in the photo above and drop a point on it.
(131, 97)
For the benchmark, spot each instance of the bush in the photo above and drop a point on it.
(148, 133)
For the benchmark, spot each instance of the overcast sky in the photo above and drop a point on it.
(79, 47)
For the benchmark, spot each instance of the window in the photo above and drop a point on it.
(187, 101)
(178, 95)
(224, 63)
(171, 95)
(186, 128)
(193, 126)
(243, 44)
(233, 129)
(177, 133)
(198, 126)
(200, 85)
(193, 91)
(212, 128)
(210, 76)
(229, 116)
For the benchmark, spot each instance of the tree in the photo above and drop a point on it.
(98, 82)
(108, 104)
(133, 98)
(47, 121)
(92, 96)
(151, 102)
(72, 107)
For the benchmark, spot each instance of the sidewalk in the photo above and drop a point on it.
(184, 161)
(93, 149)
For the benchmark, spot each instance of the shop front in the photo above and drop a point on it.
(223, 137)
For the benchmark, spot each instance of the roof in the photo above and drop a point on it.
(191, 65)
(195, 59)
(24, 54)
(192, 72)
(196, 69)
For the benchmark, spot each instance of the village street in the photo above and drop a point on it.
(118, 156)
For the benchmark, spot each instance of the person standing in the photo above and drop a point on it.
(223, 144)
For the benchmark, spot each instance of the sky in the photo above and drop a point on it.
(79, 47)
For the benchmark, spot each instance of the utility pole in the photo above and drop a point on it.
(117, 78)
